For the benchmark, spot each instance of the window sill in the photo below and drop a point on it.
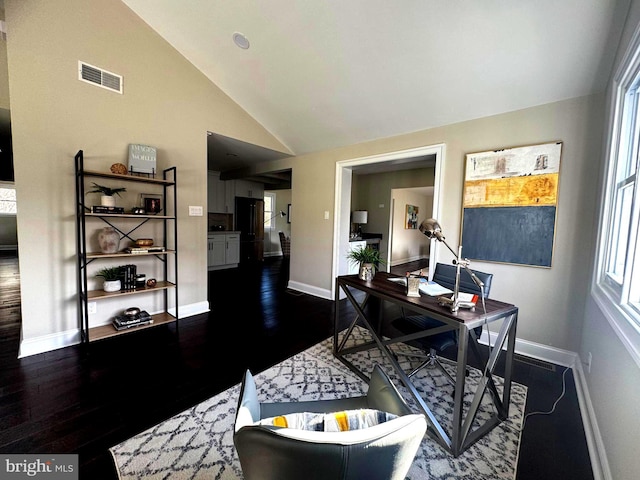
(620, 321)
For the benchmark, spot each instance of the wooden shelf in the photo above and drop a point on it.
(101, 294)
(108, 331)
(129, 178)
(124, 254)
(129, 215)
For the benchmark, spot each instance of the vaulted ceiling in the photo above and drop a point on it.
(324, 74)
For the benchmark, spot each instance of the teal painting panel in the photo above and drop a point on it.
(520, 235)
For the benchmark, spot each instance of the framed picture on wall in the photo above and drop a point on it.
(411, 217)
(151, 203)
(509, 204)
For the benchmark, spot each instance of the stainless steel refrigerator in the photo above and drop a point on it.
(250, 222)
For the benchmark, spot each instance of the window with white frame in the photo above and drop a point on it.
(269, 208)
(618, 275)
(8, 204)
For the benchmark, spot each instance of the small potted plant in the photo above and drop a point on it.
(107, 199)
(111, 276)
(367, 258)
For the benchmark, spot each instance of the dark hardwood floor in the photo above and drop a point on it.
(84, 401)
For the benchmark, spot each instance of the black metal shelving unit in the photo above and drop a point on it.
(168, 286)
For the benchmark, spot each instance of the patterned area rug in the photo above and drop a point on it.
(198, 443)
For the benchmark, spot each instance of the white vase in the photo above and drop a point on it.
(112, 285)
(108, 201)
(109, 240)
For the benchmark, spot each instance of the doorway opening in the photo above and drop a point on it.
(405, 159)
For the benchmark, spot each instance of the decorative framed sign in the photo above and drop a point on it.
(142, 159)
(412, 217)
(509, 204)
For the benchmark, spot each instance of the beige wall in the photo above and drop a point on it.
(614, 380)
(549, 313)
(166, 103)
(4, 74)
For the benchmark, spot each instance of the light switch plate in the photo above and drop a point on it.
(195, 211)
(326, 215)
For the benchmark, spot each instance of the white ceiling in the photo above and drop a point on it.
(324, 74)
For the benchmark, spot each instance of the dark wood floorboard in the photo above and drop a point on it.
(84, 401)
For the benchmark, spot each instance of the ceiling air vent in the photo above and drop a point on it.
(98, 76)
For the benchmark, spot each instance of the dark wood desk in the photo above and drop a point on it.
(462, 437)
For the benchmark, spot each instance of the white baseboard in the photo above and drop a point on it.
(597, 452)
(536, 350)
(310, 289)
(191, 310)
(54, 341)
(407, 260)
(47, 343)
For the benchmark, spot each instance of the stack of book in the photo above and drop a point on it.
(123, 322)
(107, 210)
(152, 249)
(128, 277)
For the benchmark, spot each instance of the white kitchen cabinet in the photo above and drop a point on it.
(246, 188)
(216, 199)
(232, 248)
(223, 250)
(216, 254)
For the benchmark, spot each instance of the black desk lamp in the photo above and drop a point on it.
(431, 228)
(281, 213)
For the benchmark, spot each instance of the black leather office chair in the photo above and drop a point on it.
(445, 275)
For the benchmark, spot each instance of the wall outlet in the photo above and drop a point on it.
(195, 211)
(92, 307)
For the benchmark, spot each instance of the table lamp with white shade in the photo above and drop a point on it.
(359, 217)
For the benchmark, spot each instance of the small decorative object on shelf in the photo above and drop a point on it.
(144, 242)
(107, 199)
(111, 276)
(151, 203)
(138, 211)
(119, 169)
(141, 280)
(151, 282)
(132, 311)
(109, 240)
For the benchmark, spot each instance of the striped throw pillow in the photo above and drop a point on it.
(330, 422)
